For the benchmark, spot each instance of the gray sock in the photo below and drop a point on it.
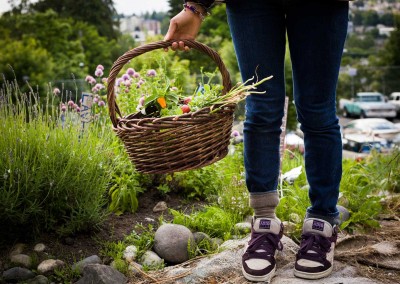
(264, 203)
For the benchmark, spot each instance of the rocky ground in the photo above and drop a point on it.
(372, 257)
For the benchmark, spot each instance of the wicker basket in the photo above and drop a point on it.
(175, 143)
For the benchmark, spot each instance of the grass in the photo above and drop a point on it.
(53, 177)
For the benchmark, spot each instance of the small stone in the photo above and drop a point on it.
(22, 260)
(80, 265)
(17, 274)
(150, 258)
(344, 214)
(149, 219)
(39, 247)
(17, 249)
(135, 268)
(160, 207)
(40, 279)
(130, 253)
(200, 236)
(49, 265)
(243, 228)
(288, 227)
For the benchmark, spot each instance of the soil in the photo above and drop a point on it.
(115, 227)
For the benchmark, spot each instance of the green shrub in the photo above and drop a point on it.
(53, 177)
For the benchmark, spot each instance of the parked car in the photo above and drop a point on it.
(368, 104)
(362, 143)
(395, 100)
(372, 131)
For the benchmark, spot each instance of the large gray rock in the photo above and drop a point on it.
(17, 274)
(21, 260)
(40, 279)
(101, 274)
(80, 265)
(172, 242)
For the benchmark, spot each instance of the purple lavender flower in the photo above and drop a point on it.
(98, 72)
(235, 133)
(56, 91)
(141, 101)
(118, 82)
(101, 67)
(130, 71)
(125, 77)
(151, 73)
(101, 103)
(99, 86)
(89, 78)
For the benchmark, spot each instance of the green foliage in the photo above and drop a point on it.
(52, 176)
(98, 13)
(213, 221)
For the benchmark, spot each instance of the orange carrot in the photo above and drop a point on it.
(161, 101)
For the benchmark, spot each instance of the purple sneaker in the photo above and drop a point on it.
(315, 257)
(258, 261)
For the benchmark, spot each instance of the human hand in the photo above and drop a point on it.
(184, 25)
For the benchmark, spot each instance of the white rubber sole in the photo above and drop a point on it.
(263, 278)
(313, 276)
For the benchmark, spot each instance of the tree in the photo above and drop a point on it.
(175, 6)
(99, 13)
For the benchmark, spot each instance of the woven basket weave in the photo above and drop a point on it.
(175, 143)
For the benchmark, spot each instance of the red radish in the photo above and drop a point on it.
(187, 100)
(185, 108)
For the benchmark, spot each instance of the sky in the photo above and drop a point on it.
(127, 7)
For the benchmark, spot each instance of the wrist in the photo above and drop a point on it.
(196, 9)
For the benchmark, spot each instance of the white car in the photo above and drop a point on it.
(378, 128)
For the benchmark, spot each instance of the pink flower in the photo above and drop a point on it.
(125, 77)
(70, 103)
(118, 82)
(128, 83)
(141, 101)
(151, 73)
(95, 100)
(98, 72)
(101, 67)
(78, 109)
(130, 71)
(56, 91)
(99, 86)
(141, 81)
(101, 103)
(174, 89)
(93, 81)
(137, 86)
(136, 75)
(235, 133)
(104, 80)
(75, 106)
(94, 89)
(63, 108)
(89, 79)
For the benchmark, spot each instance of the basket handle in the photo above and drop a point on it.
(123, 59)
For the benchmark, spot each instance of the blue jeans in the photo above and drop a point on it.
(316, 32)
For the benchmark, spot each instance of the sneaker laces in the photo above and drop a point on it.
(314, 247)
(264, 241)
